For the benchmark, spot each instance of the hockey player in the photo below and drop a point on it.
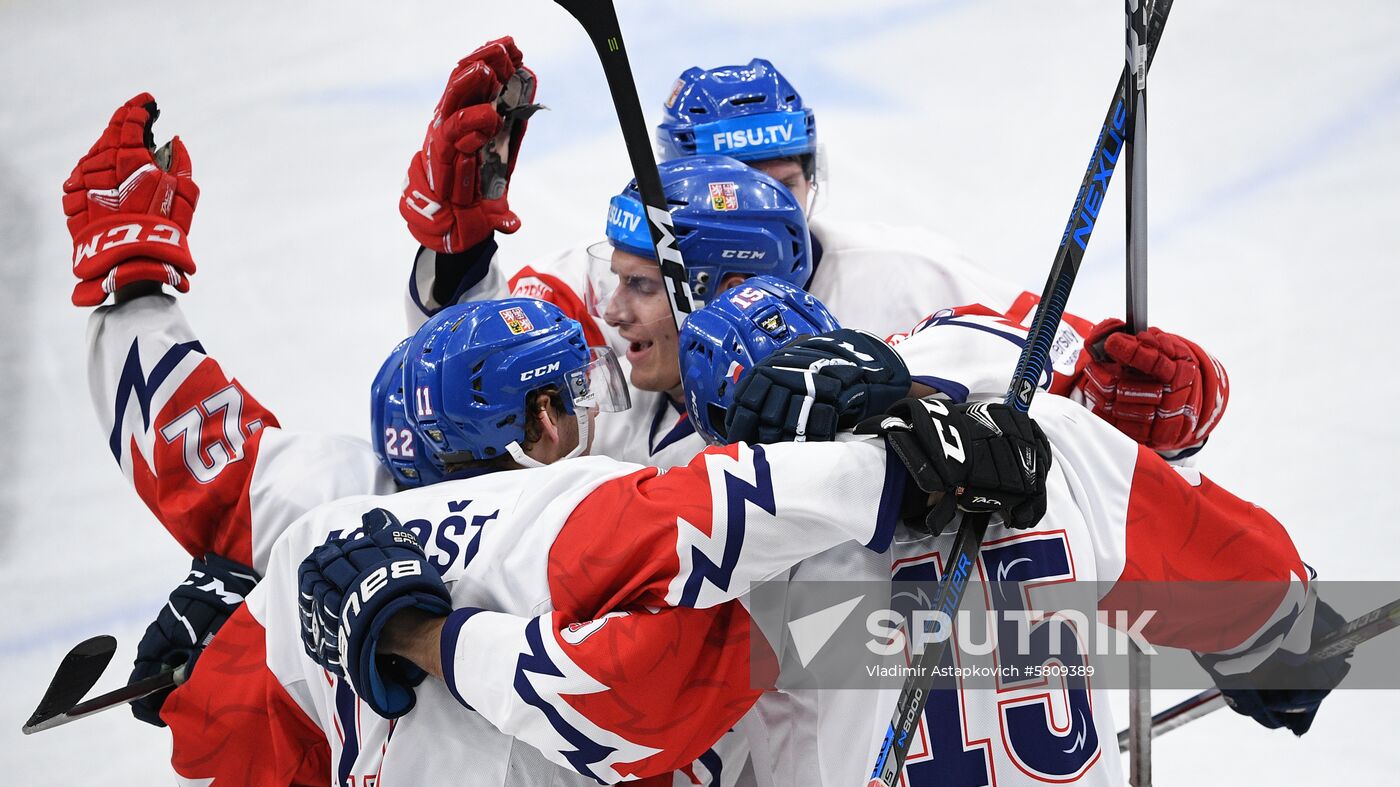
(753, 113)
(816, 381)
(209, 460)
(1114, 514)
(731, 222)
(212, 464)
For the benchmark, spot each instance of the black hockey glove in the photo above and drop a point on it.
(350, 588)
(815, 387)
(196, 610)
(1286, 691)
(984, 458)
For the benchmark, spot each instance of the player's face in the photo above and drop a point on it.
(641, 312)
(789, 173)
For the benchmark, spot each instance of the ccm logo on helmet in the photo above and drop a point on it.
(540, 371)
(742, 254)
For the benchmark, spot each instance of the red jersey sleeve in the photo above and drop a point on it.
(234, 723)
(1221, 574)
(206, 457)
(631, 694)
(697, 535)
(185, 433)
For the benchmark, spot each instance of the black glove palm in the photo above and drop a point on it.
(983, 458)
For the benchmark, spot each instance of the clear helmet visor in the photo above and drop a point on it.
(624, 288)
(600, 384)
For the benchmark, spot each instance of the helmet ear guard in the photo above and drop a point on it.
(735, 332)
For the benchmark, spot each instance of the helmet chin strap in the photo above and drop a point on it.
(525, 460)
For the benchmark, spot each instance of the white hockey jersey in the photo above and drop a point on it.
(1116, 514)
(622, 656)
(968, 353)
(883, 278)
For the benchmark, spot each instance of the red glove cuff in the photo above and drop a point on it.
(106, 243)
(1215, 391)
(92, 292)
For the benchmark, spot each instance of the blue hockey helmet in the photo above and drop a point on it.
(735, 331)
(729, 218)
(391, 432)
(749, 112)
(470, 367)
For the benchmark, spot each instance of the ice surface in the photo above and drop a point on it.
(1275, 183)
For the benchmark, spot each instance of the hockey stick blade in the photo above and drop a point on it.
(1356, 631)
(913, 696)
(166, 679)
(599, 20)
(76, 675)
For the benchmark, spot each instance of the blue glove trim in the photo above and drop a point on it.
(389, 699)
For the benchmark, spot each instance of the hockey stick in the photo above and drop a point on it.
(79, 672)
(913, 696)
(599, 20)
(1139, 666)
(1368, 626)
(1136, 13)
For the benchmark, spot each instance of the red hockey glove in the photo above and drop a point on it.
(1156, 387)
(129, 208)
(458, 183)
